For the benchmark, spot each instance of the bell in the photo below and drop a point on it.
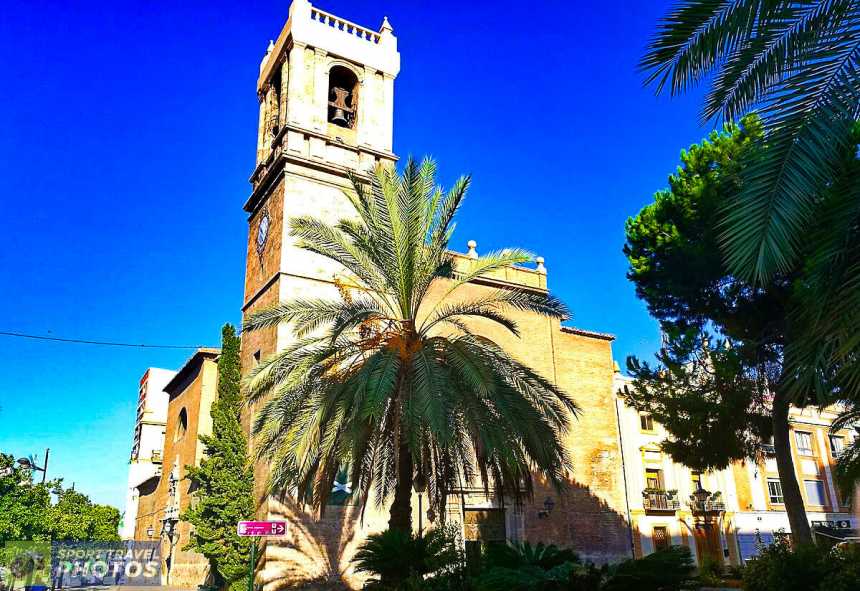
(339, 117)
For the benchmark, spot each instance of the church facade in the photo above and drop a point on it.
(326, 92)
(326, 95)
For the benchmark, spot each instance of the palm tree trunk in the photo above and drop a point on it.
(800, 532)
(400, 516)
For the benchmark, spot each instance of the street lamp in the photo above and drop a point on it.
(700, 497)
(548, 506)
(30, 465)
(419, 485)
(168, 528)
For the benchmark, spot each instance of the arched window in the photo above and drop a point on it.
(342, 97)
(182, 427)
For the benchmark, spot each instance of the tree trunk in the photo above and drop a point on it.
(400, 516)
(800, 532)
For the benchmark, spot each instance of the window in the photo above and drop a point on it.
(814, 492)
(646, 422)
(804, 443)
(654, 479)
(182, 427)
(774, 490)
(837, 445)
(342, 97)
(661, 538)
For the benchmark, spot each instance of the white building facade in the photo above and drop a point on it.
(148, 443)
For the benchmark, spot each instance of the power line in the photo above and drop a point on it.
(88, 342)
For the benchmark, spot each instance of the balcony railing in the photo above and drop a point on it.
(659, 501)
(767, 449)
(344, 25)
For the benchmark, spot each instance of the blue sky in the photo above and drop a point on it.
(128, 137)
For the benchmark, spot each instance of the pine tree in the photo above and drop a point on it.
(223, 483)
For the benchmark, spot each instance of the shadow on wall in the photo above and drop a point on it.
(580, 520)
(315, 548)
(319, 548)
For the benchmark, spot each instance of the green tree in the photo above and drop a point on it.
(23, 505)
(393, 381)
(716, 387)
(27, 513)
(75, 517)
(223, 484)
(797, 62)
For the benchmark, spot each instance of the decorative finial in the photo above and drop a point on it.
(386, 26)
(540, 266)
(472, 254)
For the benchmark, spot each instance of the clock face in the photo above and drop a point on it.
(263, 232)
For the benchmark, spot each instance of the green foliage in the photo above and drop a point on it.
(805, 568)
(712, 403)
(521, 566)
(847, 472)
(400, 560)
(391, 383)
(223, 483)
(666, 570)
(709, 394)
(797, 63)
(24, 505)
(27, 513)
(75, 517)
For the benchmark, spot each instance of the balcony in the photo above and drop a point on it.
(767, 449)
(660, 501)
(703, 502)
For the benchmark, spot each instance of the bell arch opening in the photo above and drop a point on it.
(342, 97)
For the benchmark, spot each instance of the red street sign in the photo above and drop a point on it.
(261, 528)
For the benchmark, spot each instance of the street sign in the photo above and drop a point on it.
(261, 528)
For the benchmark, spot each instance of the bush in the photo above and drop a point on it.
(665, 570)
(400, 561)
(805, 568)
(527, 567)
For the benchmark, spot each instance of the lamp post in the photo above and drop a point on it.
(700, 498)
(548, 506)
(30, 465)
(168, 529)
(419, 485)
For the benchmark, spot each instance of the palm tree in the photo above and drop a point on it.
(847, 471)
(395, 377)
(798, 62)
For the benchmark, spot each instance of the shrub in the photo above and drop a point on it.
(665, 570)
(804, 568)
(400, 561)
(527, 567)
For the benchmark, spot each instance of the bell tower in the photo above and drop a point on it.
(326, 95)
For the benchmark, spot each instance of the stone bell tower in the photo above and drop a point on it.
(326, 95)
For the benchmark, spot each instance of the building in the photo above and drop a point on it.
(149, 424)
(326, 91)
(191, 392)
(743, 509)
(761, 514)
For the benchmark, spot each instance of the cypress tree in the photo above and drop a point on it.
(222, 486)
